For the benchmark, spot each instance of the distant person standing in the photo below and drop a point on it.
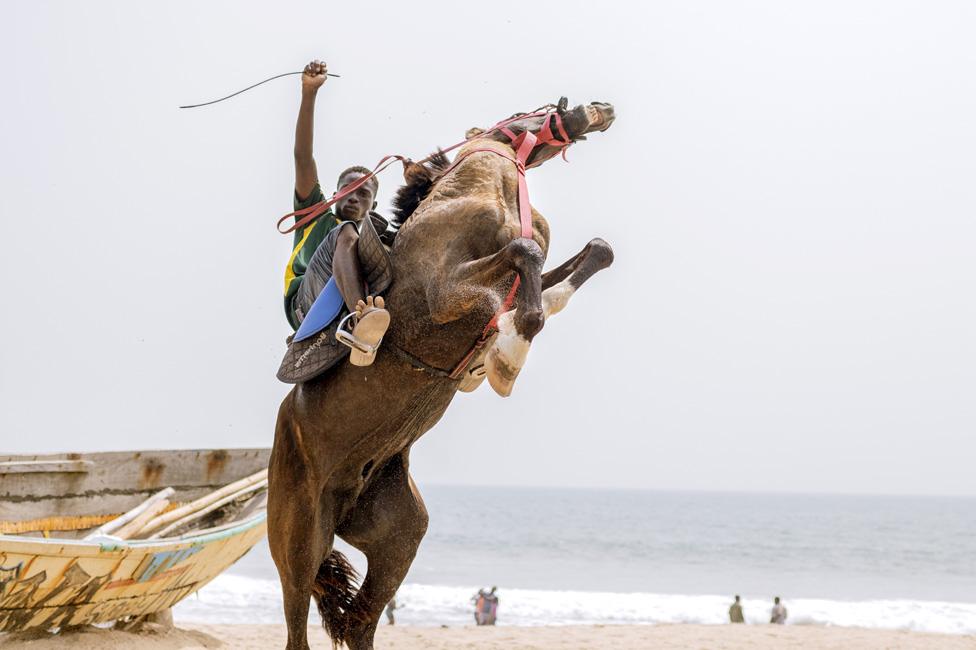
(479, 604)
(492, 613)
(735, 612)
(778, 614)
(390, 608)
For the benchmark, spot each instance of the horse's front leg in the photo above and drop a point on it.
(472, 283)
(506, 357)
(559, 284)
(468, 284)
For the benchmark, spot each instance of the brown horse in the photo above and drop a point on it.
(340, 460)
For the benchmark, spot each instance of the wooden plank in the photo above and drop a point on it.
(134, 526)
(125, 518)
(117, 481)
(45, 466)
(203, 502)
(207, 509)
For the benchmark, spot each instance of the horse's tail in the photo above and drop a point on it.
(335, 591)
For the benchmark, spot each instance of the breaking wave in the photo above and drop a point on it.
(239, 599)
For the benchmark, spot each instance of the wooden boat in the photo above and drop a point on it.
(172, 543)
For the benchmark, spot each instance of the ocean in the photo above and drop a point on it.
(569, 556)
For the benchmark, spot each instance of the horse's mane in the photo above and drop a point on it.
(420, 179)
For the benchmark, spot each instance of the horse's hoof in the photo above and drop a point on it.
(506, 357)
(472, 379)
(501, 381)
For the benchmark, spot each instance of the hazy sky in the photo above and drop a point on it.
(789, 190)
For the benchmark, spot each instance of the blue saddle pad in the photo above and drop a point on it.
(324, 310)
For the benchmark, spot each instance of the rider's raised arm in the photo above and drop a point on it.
(306, 174)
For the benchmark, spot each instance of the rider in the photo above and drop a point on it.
(328, 246)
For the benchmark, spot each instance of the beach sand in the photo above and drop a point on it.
(617, 637)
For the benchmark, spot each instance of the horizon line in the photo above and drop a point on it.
(735, 491)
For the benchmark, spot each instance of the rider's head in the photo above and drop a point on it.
(355, 205)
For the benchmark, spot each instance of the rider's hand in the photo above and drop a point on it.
(314, 75)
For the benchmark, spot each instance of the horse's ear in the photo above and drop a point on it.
(473, 132)
(561, 106)
(415, 172)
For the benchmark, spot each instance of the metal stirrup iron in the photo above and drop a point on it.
(344, 335)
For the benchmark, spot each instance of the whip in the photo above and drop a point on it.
(279, 76)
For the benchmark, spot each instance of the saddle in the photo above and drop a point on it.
(314, 348)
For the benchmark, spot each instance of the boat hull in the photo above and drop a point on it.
(51, 577)
(64, 583)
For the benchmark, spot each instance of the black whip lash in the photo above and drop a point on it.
(249, 87)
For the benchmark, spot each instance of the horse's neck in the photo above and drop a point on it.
(483, 169)
(493, 180)
(484, 143)
(459, 221)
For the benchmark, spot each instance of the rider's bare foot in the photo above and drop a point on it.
(371, 303)
(372, 321)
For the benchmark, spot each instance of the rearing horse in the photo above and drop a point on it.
(340, 460)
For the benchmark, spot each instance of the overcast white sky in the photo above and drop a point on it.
(789, 189)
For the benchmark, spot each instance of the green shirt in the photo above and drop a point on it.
(307, 240)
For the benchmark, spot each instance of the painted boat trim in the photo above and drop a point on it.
(21, 544)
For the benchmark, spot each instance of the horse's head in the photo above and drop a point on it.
(555, 126)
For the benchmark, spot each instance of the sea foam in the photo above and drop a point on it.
(238, 599)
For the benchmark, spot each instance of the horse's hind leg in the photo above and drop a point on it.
(387, 524)
(507, 356)
(298, 536)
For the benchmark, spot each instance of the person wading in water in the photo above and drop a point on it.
(327, 247)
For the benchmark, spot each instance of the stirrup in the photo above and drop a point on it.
(344, 335)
